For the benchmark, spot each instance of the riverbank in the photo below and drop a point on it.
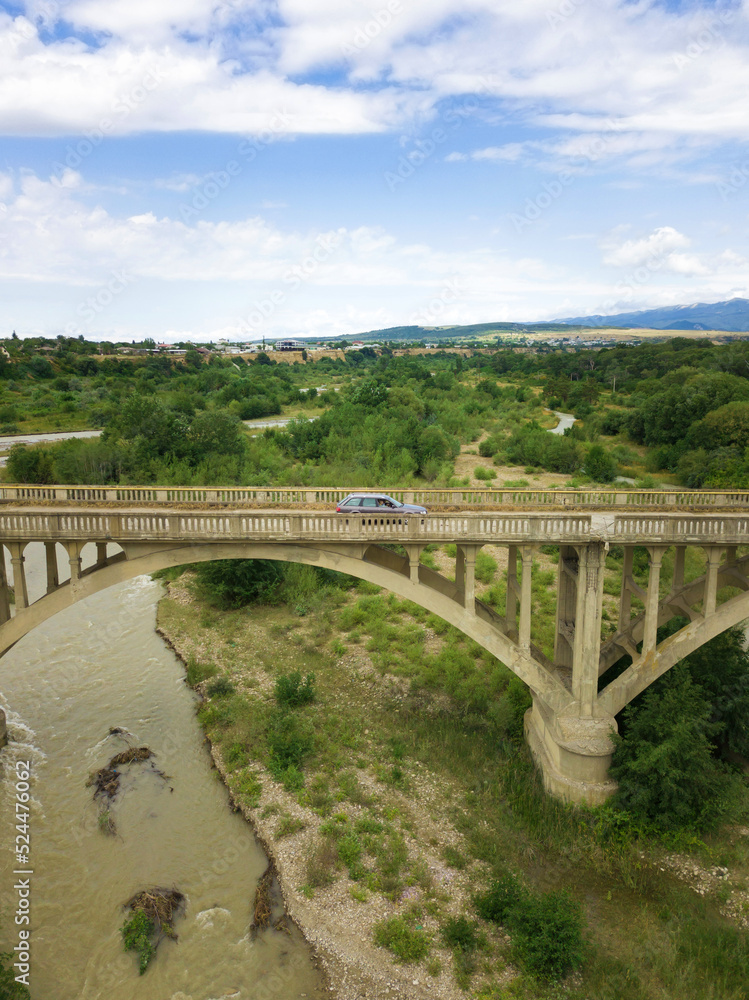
(297, 827)
(410, 795)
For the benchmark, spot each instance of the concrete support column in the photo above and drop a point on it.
(53, 577)
(524, 629)
(101, 553)
(649, 638)
(74, 559)
(625, 600)
(585, 657)
(511, 601)
(465, 574)
(566, 604)
(710, 601)
(19, 574)
(414, 554)
(4, 592)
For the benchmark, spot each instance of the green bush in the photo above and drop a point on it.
(289, 743)
(460, 934)
(406, 943)
(480, 472)
(291, 690)
(137, 932)
(504, 894)
(547, 934)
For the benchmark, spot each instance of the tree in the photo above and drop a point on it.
(664, 762)
(29, 465)
(600, 465)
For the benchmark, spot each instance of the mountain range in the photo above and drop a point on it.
(731, 315)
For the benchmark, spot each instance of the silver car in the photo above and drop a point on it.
(376, 503)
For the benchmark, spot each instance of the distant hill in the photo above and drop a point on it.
(731, 315)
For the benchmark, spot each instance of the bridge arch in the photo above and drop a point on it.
(138, 560)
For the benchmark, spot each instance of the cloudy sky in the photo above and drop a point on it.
(247, 168)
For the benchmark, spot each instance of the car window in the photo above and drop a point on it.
(369, 502)
(353, 502)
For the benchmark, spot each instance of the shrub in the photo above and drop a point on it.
(197, 671)
(136, 936)
(500, 899)
(547, 934)
(485, 474)
(406, 943)
(460, 934)
(291, 690)
(289, 743)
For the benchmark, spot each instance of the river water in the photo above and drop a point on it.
(96, 666)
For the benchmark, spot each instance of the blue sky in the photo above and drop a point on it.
(192, 169)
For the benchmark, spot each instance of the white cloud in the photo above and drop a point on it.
(659, 244)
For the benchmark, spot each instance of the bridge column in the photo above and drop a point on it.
(625, 599)
(573, 747)
(101, 554)
(414, 554)
(465, 574)
(4, 592)
(650, 631)
(53, 577)
(566, 601)
(74, 559)
(588, 610)
(17, 560)
(524, 628)
(511, 598)
(710, 600)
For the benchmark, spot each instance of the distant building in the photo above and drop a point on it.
(290, 345)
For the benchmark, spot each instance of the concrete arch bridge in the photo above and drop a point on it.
(569, 726)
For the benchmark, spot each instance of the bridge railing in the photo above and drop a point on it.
(197, 526)
(463, 497)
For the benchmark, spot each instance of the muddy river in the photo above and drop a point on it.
(98, 666)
